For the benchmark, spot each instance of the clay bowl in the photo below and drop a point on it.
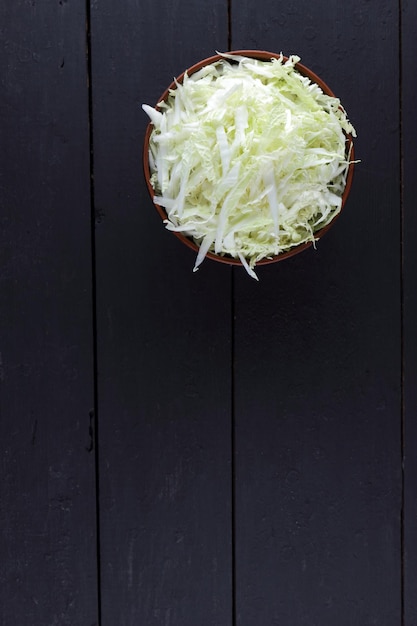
(263, 56)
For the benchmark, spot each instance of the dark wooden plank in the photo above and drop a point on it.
(47, 504)
(409, 142)
(163, 344)
(318, 411)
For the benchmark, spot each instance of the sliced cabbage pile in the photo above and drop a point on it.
(248, 158)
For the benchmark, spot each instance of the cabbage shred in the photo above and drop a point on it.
(248, 158)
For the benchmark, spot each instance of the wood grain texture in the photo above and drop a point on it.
(47, 503)
(409, 94)
(163, 344)
(318, 361)
(312, 522)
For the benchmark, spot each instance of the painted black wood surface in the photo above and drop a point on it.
(164, 346)
(409, 231)
(48, 570)
(250, 446)
(318, 354)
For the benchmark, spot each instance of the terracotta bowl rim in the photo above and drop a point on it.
(262, 55)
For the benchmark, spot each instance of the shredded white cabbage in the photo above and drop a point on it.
(248, 158)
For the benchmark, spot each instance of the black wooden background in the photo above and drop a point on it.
(184, 449)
